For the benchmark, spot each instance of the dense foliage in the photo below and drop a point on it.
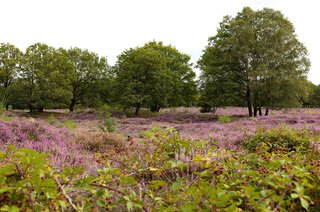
(255, 59)
(166, 172)
(45, 77)
(154, 76)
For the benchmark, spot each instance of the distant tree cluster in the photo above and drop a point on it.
(254, 60)
(45, 77)
(152, 76)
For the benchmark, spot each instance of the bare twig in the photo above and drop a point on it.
(20, 171)
(65, 194)
(22, 174)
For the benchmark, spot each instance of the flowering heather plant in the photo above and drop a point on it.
(192, 124)
(41, 137)
(82, 115)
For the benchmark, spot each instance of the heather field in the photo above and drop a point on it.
(178, 159)
(230, 132)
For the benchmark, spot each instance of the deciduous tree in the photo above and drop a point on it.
(10, 58)
(44, 76)
(87, 67)
(154, 76)
(256, 56)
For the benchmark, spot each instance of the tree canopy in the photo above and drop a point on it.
(255, 60)
(10, 59)
(154, 76)
(43, 76)
(87, 67)
(255, 56)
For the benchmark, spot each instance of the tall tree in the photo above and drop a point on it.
(182, 84)
(154, 76)
(87, 68)
(44, 72)
(256, 54)
(141, 78)
(10, 58)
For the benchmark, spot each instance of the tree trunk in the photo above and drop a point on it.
(158, 109)
(72, 104)
(267, 112)
(155, 108)
(40, 109)
(248, 96)
(260, 111)
(30, 108)
(255, 110)
(137, 109)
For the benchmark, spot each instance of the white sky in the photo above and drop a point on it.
(108, 27)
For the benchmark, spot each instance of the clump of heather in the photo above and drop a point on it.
(191, 124)
(56, 142)
(180, 117)
(83, 115)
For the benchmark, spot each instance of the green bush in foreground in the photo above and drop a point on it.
(166, 172)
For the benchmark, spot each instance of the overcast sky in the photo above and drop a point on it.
(108, 27)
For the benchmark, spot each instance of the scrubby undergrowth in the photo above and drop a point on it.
(266, 167)
(278, 171)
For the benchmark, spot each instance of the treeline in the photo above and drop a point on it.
(254, 60)
(152, 76)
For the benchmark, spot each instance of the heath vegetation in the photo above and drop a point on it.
(145, 135)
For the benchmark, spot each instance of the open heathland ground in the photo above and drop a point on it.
(178, 159)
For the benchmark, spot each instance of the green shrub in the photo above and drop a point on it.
(69, 124)
(280, 139)
(165, 172)
(224, 119)
(28, 183)
(109, 123)
(51, 119)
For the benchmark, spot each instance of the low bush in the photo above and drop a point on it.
(280, 139)
(224, 119)
(98, 141)
(69, 124)
(165, 172)
(108, 123)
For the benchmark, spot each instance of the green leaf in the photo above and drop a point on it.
(2, 190)
(101, 203)
(127, 180)
(129, 205)
(10, 208)
(304, 203)
(100, 193)
(294, 195)
(175, 186)
(263, 193)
